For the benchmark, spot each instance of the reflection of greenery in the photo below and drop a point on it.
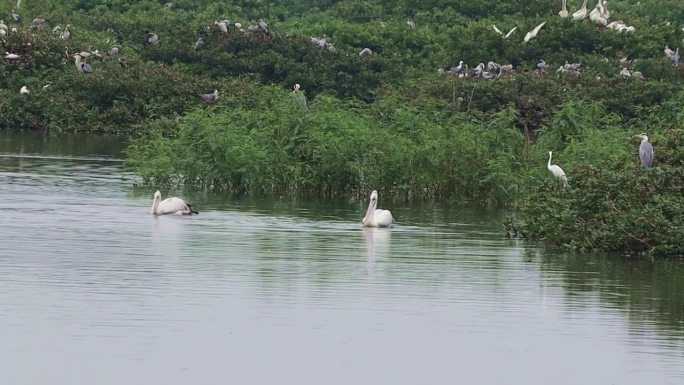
(644, 290)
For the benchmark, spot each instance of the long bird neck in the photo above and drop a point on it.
(549, 164)
(155, 206)
(371, 208)
(584, 4)
(565, 5)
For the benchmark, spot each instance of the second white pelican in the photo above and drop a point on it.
(376, 217)
(170, 206)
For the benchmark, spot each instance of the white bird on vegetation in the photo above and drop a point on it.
(581, 13)
(564, 9)
(596, 15)
(12, 56)
(301, 99)
(15, 17)
(557, 172)
(222, 26)
(374, 216)
(411, 24)
(645, 150)
(506, 36)
(24, 90)
(625, 74)
(668, 52)
(172, 205)
(606, 13)
(366, 51)
(533, 33)
(3, 26)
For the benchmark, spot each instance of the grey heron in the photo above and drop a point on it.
(114, 51)
(675, 58)
(263, 26)
(15, 17)
(37, 22)
(557, 172)
(210, 98)
(300, 96)
(152, 38)
(199, 44)
(645, 150)
(366, 51)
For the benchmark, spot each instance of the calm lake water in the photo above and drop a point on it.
(93, 290)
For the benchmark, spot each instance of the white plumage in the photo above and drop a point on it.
(376, 217)
(557, 172)
(172, 205)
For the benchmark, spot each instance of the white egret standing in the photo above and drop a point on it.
(557, 172)
(533, 33)
(24, 90)
(645, 150)
(172, 205)
(581, 13)
(668, 52)
(374, 216)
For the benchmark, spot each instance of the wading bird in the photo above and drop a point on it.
(16, 17)
(82, 66)
(645, 150)
(533, 33)
(411, 24)
(557, 172)
(625, 74)
(170, 206)
(301, 99)
(581, 13)
(374, 216)
(675, 58)
(12, 56)
(209, 98)
(668, 52)
(24, 90)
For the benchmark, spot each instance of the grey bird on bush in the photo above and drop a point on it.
(199, 44)
(645, 150)
(152, 38)
(210, 98)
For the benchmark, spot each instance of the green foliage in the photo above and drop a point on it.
(387, 121)
(612, 202)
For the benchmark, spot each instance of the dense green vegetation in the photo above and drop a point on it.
(387, 121)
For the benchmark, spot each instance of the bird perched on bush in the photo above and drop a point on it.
(210, 98)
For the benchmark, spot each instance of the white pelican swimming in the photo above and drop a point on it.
(170, 206)
(376, 217)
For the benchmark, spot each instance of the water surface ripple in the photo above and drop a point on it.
(93, 290)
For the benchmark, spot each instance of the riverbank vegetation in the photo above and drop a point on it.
(387, 121)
